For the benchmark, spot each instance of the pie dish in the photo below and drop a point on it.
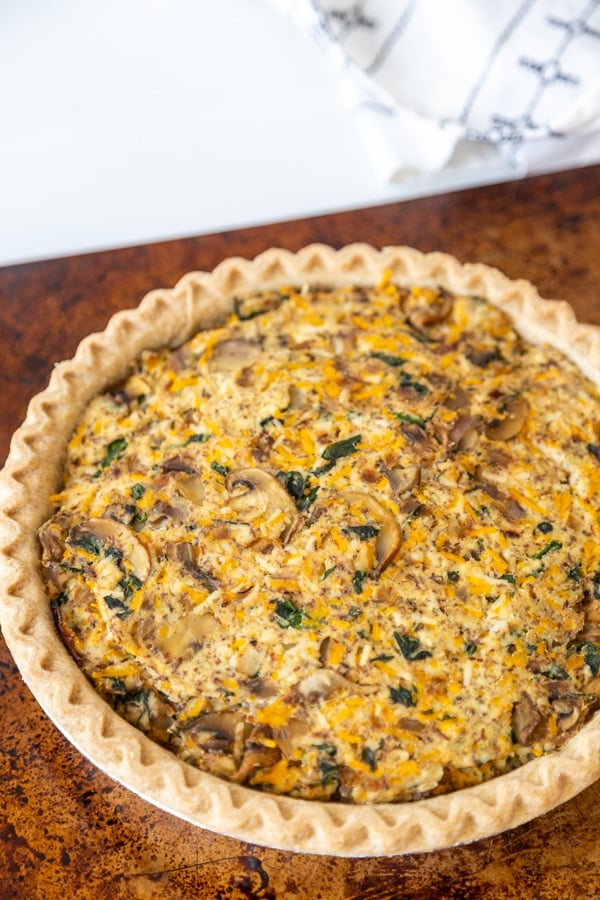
(342, 634)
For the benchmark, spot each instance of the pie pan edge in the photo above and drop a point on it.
(33, 469)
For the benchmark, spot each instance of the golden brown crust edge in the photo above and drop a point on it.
(33, 470)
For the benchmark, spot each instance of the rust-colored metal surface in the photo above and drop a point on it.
(67, 830)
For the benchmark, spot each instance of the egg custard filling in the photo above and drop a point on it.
(344, 547)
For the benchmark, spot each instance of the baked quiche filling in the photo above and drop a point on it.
(345, 546)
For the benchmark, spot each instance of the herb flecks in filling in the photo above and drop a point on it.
(344, 546)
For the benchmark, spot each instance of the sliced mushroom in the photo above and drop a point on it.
(297, 397)
(257, 755)
(464, 432)
(526, 720)
(119, 537)
(482, 356)
(402, 479)
(509, 427)
(192, 488)
(409, 724)
(414, 434)
(179, 464)
(590, 634)
(324, 649)
(233, 354)
(194, 627)
(261, 687)
(223, 723)
(287, 735)
(426, 309)
(51, 535)
(183, 552)
(249, 662)
(389, 537)
(457, 399)
(255, 492)
(322, 683)
(511, 509)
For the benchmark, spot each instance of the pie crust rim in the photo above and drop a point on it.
(33, 469)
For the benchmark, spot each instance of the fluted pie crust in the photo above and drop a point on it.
(33, 472)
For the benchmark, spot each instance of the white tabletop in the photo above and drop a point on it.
(127, 121)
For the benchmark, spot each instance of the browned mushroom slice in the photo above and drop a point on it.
(115, 535)
(464, 432)
(179, 464)
(428, 308)
(457, 398)
(511, 508)
(389, 537)
(402, 479)
(191, 629)
(255, 492)
(322, 683)
(183, 552)
(509, 427)
(526, 720)
(192, 488)
(216, 732)
(224, 723)
(233, 354)
(259, 753)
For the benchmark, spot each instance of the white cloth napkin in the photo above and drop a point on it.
(433, 81)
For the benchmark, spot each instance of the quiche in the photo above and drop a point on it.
(319, 564)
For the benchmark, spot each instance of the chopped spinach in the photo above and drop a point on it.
(87, 542)
(407, 696)
(509, 578)
(197, 439)
(330, 771)
(114, 451)
(138, 491)
(556, 672)
(453, 576)
(297, 486)
(389, 359)
(294, 483)
(470, 648)
(342, 448)
(368, 756)
(407, 381)
(270, 419)
(413, 420)
(307, 499)
(594, 449)
(591, 656)
(129, 585)
(553, 545)
(287, 615)
(119, 607)
(357, 581)
(410, 647)
(362, 532)
(328, 572)
(544, 527)
(218, 467)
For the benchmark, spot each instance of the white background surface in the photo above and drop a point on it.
(126, 121)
